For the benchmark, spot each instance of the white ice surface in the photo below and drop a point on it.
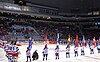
(51, 56)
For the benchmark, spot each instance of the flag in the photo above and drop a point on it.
(58, 39)
(45, 39)
(94, 41)
(30, 43)
(69, 38)
(83, 40)
(76, 40)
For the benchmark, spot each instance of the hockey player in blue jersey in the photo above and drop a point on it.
(68, 51)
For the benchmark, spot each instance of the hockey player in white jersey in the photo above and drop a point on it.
(7, 48)
(82, 50)
(68, 51)
(91, 48)
(45, 52)
(28, 54)
(76, 51)
(57, 52)
(98, 47)
(14, 52)
(1, 43)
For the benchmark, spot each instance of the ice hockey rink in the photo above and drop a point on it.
(51, 56)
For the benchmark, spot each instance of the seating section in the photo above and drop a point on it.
(21, 31)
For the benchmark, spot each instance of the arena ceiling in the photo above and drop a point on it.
(66, 5)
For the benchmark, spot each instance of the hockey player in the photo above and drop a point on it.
(14, 51)
(7, 47)
(45, 52)
(35, 55)
(68, 51)
(76, 51)
(91, 48)
(98, 47)
(28, 54)
(82, 50)
(57, 52)
(1, 43)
